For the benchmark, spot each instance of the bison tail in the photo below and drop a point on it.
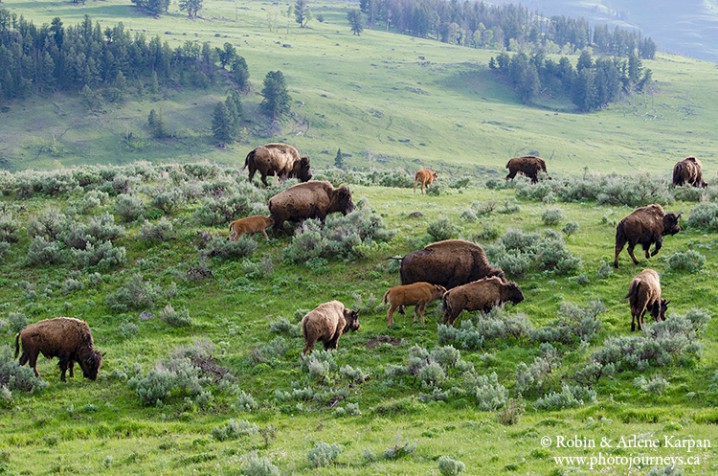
(17, 344)
(386, 295)
(632, 290)
(249, 157)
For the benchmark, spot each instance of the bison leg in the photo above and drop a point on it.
(264, 180)
(32, 359)
(630, 253)
(308, 346)
(511, 175)
(534, 178)
(266, 237)
(422, 311)
(633, 323)
(390, 316)
(659, 244)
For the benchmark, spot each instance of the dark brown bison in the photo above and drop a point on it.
(424, 177)
(326, 323)
(529, 165)
(644, 293)
(645, 226)
(419, 294)
(315, 199)
(278, 159)
(253, 224)
(449, 263)
(67, 338)
(688, 170)
(481, 295)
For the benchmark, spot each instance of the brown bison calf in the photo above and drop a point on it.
(644, 293)
(420, 294)
(424, 177)
(529, 165)
(481, 295)
(326, 323)
(645, 226)
(67, 338)
(688, 170)
(253, 224)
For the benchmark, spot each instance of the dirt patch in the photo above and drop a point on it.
(378, 340)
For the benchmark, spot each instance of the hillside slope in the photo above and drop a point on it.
(387, 100)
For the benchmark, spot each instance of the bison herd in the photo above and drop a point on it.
(457, 272)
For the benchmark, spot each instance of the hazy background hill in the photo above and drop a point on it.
(687, 28)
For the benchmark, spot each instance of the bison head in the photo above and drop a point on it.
(658, 311)
(302, 170)
(352, 320)
(344, 200)
(670, 224)
(90, 363)
(514, 293)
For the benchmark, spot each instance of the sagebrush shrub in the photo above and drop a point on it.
(162, 230)
(704, 216)
(568, 397)
(42, 252)
(450, 467)
(135, 294)
(14, 377)
(234, 429)
(225, 249)
(129, 207)
(487, 392)
(9, 229)
(323, 454)
(656, 384)
(442, 229)
(688, 261)
(174, 318)
(259, 466)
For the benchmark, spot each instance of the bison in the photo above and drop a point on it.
(424, 177)
(278, 159)
(528, 165)
(253, 224)
(67, 338)
(420, 294)
(644, 293)
(315, 199)
(480, 295)
(326, 323)
(448, 263)
(645, 226)
(688, 170)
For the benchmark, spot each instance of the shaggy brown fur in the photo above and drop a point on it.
(278, 159)
(326, 323)
(645, 226)
(644, 293)
(253, 224)
(420, 294)
(529, 165)
(424, 177)
(688, 170)
(481, 295)
(315, 199)
(67, 338)
(449, 263)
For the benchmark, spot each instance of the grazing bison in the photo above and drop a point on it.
(278, 159)
(644, 293)
(420, 294)
(481, 295)
(67, 338)
(645, 226)
(314, 199)
(326, 323)
(688, 170)
(253, 224)
(424, 177)
(529, 165)
(449, 263)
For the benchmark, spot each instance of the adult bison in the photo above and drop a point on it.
(424, 177)
(480, 295)
(644, 293)
(278, 159)
(326, 323)
(528, 165)
(645, 226)
(315, 199)
(690, 171)
(448, 263)
(67, 338)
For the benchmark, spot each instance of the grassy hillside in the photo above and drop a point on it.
(203, 385)
(389, 101)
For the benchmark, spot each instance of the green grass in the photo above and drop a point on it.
(372, 96)
(103, 427)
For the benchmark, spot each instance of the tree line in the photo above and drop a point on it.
(58, 58)
(479, 25)
(591, 85)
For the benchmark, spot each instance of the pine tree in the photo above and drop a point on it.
(339, 159)
(222, 129)
(192, 7)
(276, 98)
(240, 73)
(356, 20)
(302, 14)
(157, 125)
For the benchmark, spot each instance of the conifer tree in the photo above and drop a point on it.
(276, 98)
(222, 129)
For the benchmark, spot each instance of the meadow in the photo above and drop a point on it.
(203, 370)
